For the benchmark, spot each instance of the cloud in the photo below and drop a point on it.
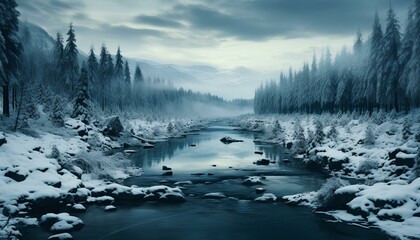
(157, 21)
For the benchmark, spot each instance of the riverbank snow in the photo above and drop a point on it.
(384, 165)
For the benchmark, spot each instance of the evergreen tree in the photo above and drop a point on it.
(332, 134)
(127, 83)
(319, 132)
(92, 69)
(11, 49)
(138, 76)
(413, 90)
(119, 77)
(56, 115)
(58, 62)
(406, 131)
(299, 137)
(391, 71)
(71, 62)
(81, 107)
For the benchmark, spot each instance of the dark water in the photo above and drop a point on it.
(236, 217)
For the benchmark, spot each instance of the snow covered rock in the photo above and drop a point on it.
(404, 159)
(215, 195)
(110, 208)
(183, 183)
(78, 208)
(172, 197)
(260, 190)
(61, 236)
(267, 197)
(252, 181)
(100, 200)
(113, 127)
(61, 222)
(227, 140)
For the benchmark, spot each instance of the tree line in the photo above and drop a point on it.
(381, 73)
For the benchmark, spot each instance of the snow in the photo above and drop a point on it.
(110, 208)
(266, 197)
(387, 191)
(215, 195)
(79, 207)
(61, 236)
(252, 181)
(61, 226)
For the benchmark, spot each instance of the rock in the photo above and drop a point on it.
(259, 152)
(262, 162)
(61, 222)
(15, 175)
(215, 195)
(267, 197)
(289, 145)
(45, 204)
(106, 200)
(128, 151)
(227, 140)
(78, 208)
(259, 190)
(61, 236)
(37, 149)
(198, 174)
(252, 181)
(286, 160)
(10, 210)
(192, 145)
(113, 127)
(82, 132)
(183, 183)
(69, 198)
(336, 164)
(169, 173)
(56, 184)
(165, 168)
(403, 159)
(214, 165)
(148, 146)
(110, 208)
(172, 197)
(2, 139)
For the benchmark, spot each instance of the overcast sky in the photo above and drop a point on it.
(264, 35)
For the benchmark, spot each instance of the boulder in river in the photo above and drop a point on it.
(252, 181)
(262, 162)
(267, 197)
(165, 168)
(227, 140)
(169, 173)
(113, 127)
(61, 236)
(215, 195)
(110, 208)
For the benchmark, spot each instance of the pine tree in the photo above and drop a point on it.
(299, 136)
(11, 49)
(58, 62)
(391, 71)
(138, 76)
(119, 77)
(319, 132)
(81, 107)
(56, 115)
(406, 131)
(127, 83)
(92, 69)
(332, 134)
(413, 90)
(71, 61)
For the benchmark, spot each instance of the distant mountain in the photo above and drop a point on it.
(229, 83)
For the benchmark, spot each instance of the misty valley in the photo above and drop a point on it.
(144, 139)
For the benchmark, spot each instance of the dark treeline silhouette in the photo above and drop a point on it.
(381, 73)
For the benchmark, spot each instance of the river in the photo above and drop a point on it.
(212, 166)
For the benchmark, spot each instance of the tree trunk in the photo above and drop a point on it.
(6, 110)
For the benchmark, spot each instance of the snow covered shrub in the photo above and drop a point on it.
(310, 143)
(325, 195)
(100, 166)
(55, 153)
(157, 130)
(366, 166)
(379, 117)
(319, 132)
(332, 134)
(299, 136)
(170, 128)
(406, 132)
(369, 135)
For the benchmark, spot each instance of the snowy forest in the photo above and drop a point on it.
(382, 72)
(36, 74)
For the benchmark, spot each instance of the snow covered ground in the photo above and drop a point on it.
(379, 154)
(49, 167)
